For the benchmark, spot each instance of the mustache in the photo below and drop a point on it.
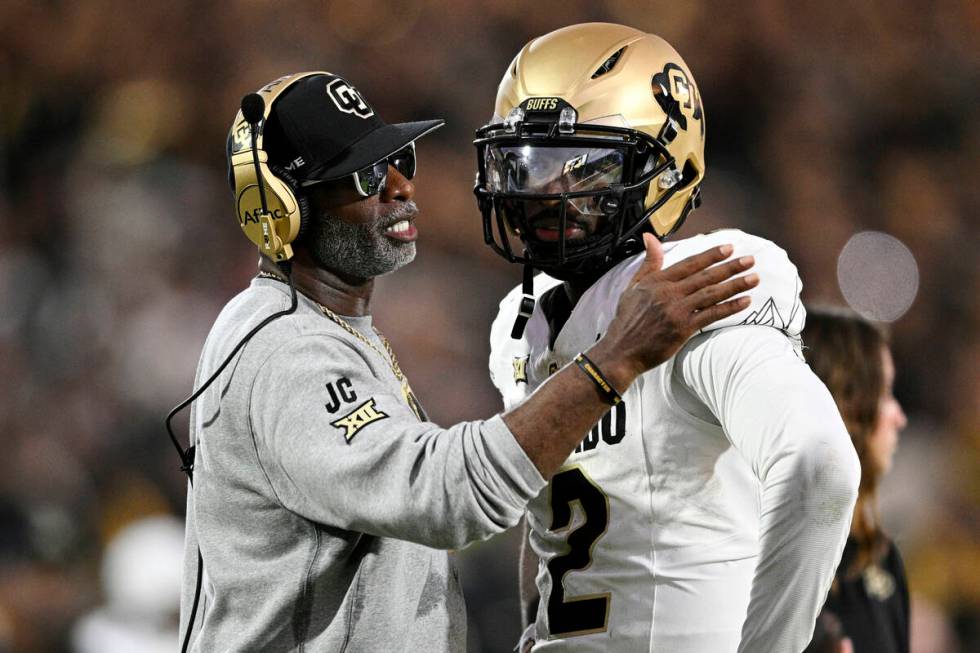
(402, 211)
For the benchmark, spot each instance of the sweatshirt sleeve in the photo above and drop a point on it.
(341, 447)
(785, 424)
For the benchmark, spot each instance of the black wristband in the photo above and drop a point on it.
(606, 389)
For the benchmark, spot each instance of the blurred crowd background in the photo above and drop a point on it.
(119, 247)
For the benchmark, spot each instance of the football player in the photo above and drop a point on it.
(706, 512)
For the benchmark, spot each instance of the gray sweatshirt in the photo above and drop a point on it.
(321, 504)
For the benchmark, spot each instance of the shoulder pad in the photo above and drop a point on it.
(775, 301)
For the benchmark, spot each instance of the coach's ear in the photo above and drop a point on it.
(846, 646)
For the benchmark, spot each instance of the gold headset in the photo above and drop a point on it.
(277, 220)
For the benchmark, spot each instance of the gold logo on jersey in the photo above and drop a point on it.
(520, 369)
(552, 367)
(357, 419)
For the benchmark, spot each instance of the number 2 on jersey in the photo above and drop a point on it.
(576, 615)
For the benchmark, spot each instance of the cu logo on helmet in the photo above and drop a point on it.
(347, 99)
(677, 95)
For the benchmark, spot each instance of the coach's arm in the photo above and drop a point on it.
(373, 467)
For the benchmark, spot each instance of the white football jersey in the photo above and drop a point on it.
(648, 536)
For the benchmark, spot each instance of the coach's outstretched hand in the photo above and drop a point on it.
(658, 311)
(662, 308)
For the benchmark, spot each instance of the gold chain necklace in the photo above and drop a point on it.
(346, 326)
(392, 361)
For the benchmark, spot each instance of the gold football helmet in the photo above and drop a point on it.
(598, 136)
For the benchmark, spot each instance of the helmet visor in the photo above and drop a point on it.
(547, 170)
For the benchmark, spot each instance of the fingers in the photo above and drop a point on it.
(696, 263)
(705, 297)
(717, 312)
(715, 274)
(652, 262)
(654, 251)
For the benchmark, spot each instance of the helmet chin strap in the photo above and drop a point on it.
(527, 302)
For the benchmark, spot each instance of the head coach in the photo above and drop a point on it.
(322, 501)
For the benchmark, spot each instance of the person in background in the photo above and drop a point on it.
(870, 594)
(141, 585)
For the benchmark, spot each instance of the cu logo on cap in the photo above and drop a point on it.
(347, 99)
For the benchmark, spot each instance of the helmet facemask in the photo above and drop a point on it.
(597, 138)
(568, 196)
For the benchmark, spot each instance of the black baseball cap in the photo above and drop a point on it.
(322, 128)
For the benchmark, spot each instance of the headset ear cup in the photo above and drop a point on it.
(302, 201)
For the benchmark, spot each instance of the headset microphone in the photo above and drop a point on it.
(271, 206)
(253, 110)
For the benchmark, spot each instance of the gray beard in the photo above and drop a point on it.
(358, 252)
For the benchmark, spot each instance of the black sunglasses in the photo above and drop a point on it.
(371, 180)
